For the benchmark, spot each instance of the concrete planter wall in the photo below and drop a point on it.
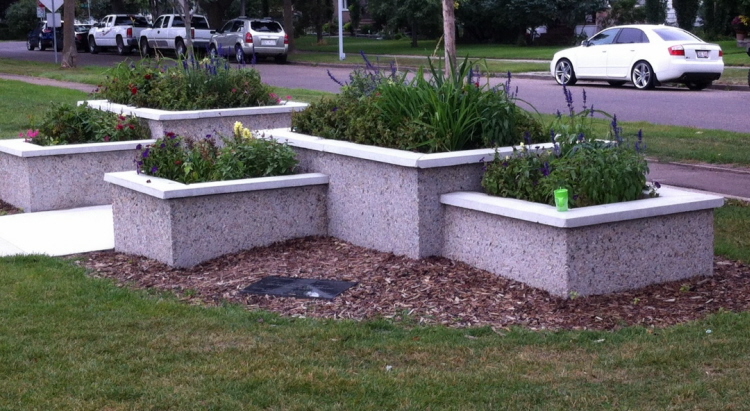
(41, 178)
(387, 199)
(184, 225)
(589, 250)
(198, 123)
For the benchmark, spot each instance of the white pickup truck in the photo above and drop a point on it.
(117, 30)
(168, 33)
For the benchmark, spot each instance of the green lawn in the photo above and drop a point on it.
(68, 341)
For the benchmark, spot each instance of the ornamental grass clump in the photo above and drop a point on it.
(428, 113)
(71, 124)
(242, 155)
(189, 84)
(594, 171)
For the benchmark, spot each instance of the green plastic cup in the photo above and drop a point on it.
(561, 199)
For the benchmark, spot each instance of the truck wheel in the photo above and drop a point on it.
(121, 48)
(146, 51)
(93, 48)
(239, 55)
(180, 49)
(212, 52)
(29, 46)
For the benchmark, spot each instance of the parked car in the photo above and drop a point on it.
(41, 37)
(246, 37)
(82, 37)
(646, 55)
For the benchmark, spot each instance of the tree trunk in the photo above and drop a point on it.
(187, 17)
(243, 8)
(414, 25)
(449, 30)
(70, 54)
(289, 23)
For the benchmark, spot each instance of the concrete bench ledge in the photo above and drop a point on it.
(155, 114)
(20, 148)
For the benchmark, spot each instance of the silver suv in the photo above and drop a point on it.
(247, 38)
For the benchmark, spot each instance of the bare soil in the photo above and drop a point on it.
(431, 291)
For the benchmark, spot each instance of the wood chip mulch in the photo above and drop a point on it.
(431, 291)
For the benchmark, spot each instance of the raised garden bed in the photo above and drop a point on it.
(588, 250)
(41, 178)
(198, 123)
(184, 225)
(388, 199)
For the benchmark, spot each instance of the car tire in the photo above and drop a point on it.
(143, 46)
(179, 49)
(41, 47)
(564, 73)
(93, 48)
(281, 59)
(29, 46)
(698, 85)
(121, 48)
(748, 74)
(239, 55)
(643, 76)
(616, 83)
(212, 52)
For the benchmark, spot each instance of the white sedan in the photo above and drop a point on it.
(646, 55)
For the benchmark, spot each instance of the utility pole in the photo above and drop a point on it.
(449, 34)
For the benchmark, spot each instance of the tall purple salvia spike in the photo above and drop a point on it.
(335, 80)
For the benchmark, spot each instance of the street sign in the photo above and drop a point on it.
(54, 20)
(41, 12)
(52, 5)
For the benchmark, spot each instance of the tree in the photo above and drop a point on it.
(70, 53)
(420, 17)
(449, 35)
(686, 12)
(21, 17)
(289, 23)
(656, 11)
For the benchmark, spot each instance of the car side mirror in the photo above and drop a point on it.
(585, 43)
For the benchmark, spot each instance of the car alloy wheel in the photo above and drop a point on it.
(643, 76)
(239, 55)
(93, 48)
(121, 49)
(564, 73)
(180, 48)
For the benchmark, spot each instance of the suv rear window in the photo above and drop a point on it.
(671, 34)
(267, 26)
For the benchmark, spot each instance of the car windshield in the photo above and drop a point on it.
(268, 26)
(672, 34)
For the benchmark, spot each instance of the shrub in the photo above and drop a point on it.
(426, 114)
(243, 155)
(71, 124)
(185, 85)
(594, 171)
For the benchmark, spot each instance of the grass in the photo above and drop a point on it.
(68, 341)
(731, 231)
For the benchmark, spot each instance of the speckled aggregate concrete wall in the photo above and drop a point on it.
(60, 181)
(200, 127)
(388, 207)
(187, 231)
(596, 259)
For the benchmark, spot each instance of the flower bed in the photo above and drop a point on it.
(198, 123)
(184, 225)
(589, 250)
(40, 178)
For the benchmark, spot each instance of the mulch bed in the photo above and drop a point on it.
(431, 291)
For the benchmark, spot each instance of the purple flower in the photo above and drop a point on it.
(154, 169)
(146, 153)
(138, 147)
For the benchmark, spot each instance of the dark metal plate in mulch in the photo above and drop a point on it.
(299, 287)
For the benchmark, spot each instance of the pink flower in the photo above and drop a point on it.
(288, 97)
(106, 138)
(234, 90)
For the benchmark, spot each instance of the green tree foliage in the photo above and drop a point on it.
(686, 12)
(21, 18)
(419, 17)
(656, 11)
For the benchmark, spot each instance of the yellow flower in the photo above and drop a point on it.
(246, 133)
(238, 129)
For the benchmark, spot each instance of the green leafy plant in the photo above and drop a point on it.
(243, 155)
(78, 124)
(185, 85)
(594, 171)
(430, 114)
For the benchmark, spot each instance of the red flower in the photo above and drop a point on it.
(119, 126)
(134, 90)
(106, 138)
(148, 76)
(130, 126)
(234, 90)
(178, 162)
